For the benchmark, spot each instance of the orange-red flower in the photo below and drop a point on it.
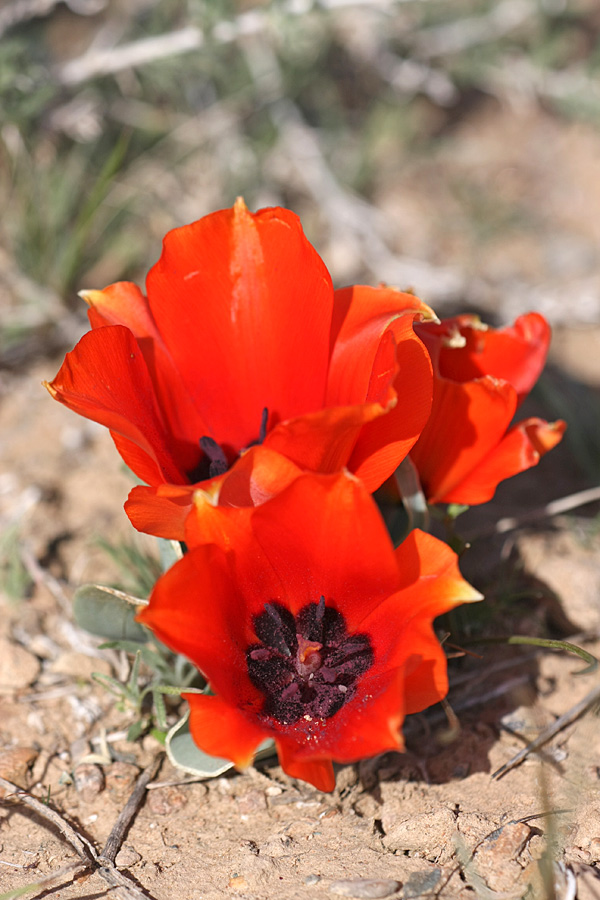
(481, 375)
(241, 340)
(311, 629)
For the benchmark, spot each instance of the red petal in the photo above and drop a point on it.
(375, 357)
(368, 724)
(121, 304)
(124, 304)
(361, 318)
(161, 509)
(516, 354)
(220, 514)
(248, 297)
(520, 449)
(195, 610)
(321, 535)
(467, 421)
(383, 443)
(318, 772)
(105, 378)
(323, 441)
(430, 566)
(429, 584)
(220, 730)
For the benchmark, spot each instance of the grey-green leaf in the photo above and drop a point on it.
(186, 755)
(169, 552)
(108, 613)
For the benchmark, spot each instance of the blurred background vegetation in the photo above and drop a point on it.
(397, 129)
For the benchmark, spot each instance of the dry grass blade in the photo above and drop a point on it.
(590, 700)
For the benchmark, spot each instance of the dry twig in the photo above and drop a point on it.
(590, 700)
(103, 863)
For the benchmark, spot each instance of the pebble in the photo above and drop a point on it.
(428, 835)
(89, 781)
(421, 883)
(167, 800)
(120, 780)
(312, 879)
(18, 667)
(365, 888)
(126, 857)
(79, 666)
(15, 764)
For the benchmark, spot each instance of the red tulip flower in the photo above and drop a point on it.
(311, 629)
(481, 375)
(242, 340)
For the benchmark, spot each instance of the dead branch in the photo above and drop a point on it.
(590, 700)
(103, 863)
(127, 814)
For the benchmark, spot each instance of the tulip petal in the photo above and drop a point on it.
(160, 509)
(322, 534)
(220, 514)
(467, 421)
(124, 304)
(234, 280)
(376, 356)
(386, 441)
(105, 378)
(516, 354)
(121, 304)
(194, 609)
(220, 730)
(318, 772)
(323, 441)
(521, 448)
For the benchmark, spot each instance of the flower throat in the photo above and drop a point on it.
(307, 666)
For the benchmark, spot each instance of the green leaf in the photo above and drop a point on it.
(136, 730)
(454, 510)
(183, 753)
(592, 662)
(169, 553)
(108, 613)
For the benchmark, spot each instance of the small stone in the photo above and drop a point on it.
(167, 800)
(120, 780)
(421, 883)
(312, 879)
(18, 667)
(79, 666)
(127, 857)
(273, 791)
(365, 888)
(15, 764)
(89, 781)
(238, 883)
(428, 835)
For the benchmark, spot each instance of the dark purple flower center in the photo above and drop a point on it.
(306, 666)
(214, 460)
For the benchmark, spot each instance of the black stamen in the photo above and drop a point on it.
(306, 666)
(218, 460)
(263, 425)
